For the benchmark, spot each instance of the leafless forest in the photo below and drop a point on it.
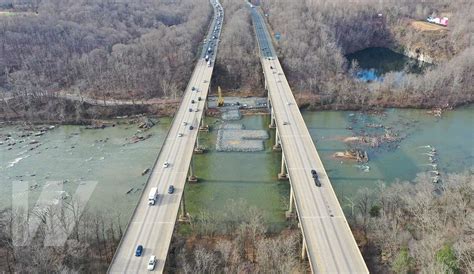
(317, 34)
(238, 65)
(146, 49)
(417, 226)
(92, 241)
(104, 48)
(236, 239)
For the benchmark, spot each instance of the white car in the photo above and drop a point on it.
(166, 164)
(288, 103)
(151, 263)
(180, 134)
(185, 124)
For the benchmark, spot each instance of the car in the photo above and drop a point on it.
(192, 101)
(288, 103)
(285, 123)
(139, 251)
(166, 164)
(199, 98)
(180, 134)
(193, 88)
(197, 110)
(185, 124)
(314, 174)
(151, 263)
(171, 189)
(190, 110)
(191, 127)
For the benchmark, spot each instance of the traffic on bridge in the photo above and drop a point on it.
(144, 245)
(327, 238)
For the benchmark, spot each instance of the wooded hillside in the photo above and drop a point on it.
(120, 49)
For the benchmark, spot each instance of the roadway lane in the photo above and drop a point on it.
(330, 244)
(152, 226)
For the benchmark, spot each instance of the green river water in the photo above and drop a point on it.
(72, 154)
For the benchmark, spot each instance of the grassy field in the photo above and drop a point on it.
(425, 26)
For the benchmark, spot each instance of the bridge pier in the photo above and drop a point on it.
(303, 249)
(198, 149)
(183, 215)
(291, 213)
(192, 178)
(202, 126)
(277, 146)
(283, 175)
(272, 119)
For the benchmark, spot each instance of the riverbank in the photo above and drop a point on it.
(61, 111)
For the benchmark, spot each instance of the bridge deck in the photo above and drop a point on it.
(152, 226)
(330, 244)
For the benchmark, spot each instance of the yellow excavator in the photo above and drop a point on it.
(220, 100)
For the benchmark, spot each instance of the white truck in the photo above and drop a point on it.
(153, 195)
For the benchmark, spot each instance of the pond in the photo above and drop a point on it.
(373, 63)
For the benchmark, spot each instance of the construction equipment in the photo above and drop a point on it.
(220, 100)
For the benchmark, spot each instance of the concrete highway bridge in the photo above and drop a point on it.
(327, 239)
(152, 225)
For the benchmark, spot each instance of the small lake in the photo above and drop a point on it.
(375, 62)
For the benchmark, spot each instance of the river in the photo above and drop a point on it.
(71, 154)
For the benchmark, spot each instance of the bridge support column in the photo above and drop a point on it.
(303, 249)
(202, 125)
(197, 148)
(192, 178)
(283, 170)
(290, 213)
(272, 119)
(183, 215)
(277, 146)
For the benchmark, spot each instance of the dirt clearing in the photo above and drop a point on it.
(425, 26)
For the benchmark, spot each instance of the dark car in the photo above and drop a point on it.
(171, 189)
(191, 127)
(190, 110)
(139, 251)
(192, 101)
(199, 98)
(315, 177)
(193, 88)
